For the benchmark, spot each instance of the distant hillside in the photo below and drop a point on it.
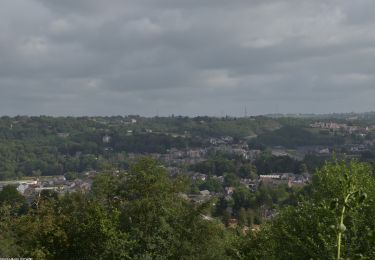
(291, 137)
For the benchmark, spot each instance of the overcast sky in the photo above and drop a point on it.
(188, 57)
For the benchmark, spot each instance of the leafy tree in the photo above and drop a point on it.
(243, 198)
(8, 239)
(248, 171)
(211, 184)
(335, 209)
(71, 176)
(10, 196)
(164, 224)
(231, 180)
(293, 136)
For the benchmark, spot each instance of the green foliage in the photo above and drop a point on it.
(71, 176)
(248, 171)
(267, 163)
(137, 215)
(9, 196)
(314, 162)
(141, 213)
(8, 239)
(218, 165)
(33, 146)
(163, 224)
(231, 180)
(243, 198)
(212, 185)
(314, 224)
(293, 136)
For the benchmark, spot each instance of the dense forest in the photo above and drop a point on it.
(34, 146)
(141, 214)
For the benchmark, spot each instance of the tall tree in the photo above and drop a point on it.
(335, 219)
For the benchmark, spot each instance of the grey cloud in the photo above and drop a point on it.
(185, 56)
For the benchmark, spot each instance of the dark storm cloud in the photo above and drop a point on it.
(185, 56)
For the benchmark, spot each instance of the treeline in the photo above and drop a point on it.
(32, 146)
(246, 205)
(138, 215)
(221, 163)
(293, 136)
(142, 214)
(333, 219)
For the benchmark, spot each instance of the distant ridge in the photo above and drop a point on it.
(362, 115)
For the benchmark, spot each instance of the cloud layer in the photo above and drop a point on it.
(190, 57)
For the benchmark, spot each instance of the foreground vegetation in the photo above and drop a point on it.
(142, 214)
